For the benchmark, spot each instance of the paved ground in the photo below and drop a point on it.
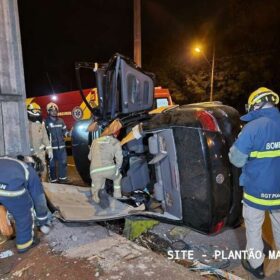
(42, 263)
(229, 240)
(90, 251)
(204, 247)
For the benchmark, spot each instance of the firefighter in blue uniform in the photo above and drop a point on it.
(257, 151)
(21, 193)
(57, 132)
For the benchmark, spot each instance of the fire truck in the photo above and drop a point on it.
(72, 108)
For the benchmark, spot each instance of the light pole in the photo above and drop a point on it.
(212, 66)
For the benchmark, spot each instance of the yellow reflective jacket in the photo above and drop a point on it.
(39, 140)
(105, 151)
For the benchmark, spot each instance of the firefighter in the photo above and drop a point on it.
(257, 151)
(21, 193)
(39, 140)
(106, 160)
(57, 132)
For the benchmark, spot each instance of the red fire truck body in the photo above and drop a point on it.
(72, 108)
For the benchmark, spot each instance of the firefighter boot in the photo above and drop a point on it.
(117, 192)
(45, 229)
(104, 199)
(35, 242)
(257, 272)
(95, 195)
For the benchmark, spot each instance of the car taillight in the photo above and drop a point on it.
(218, 227)
(207, 121)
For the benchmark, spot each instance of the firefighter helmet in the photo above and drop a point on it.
(262, 95)
(33, 109)
(52, 106)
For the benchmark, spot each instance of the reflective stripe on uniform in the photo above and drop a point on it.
(265, 154)
(42, 218)
(117, 187)
(41, 147)
(102, 169)
(265, 202)
(25, 245)
(56, 125)
(60, 147)
(103, 139)
(33, 214)
(12, 193)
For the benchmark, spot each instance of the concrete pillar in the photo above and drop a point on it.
(13, 117)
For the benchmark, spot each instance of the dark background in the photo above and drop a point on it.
(56, 33)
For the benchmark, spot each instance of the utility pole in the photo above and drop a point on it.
(137, 32)
(14, 138)
(212, 75)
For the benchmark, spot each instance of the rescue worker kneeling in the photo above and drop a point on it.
(21, 192)
(106, 160)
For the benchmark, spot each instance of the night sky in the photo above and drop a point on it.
(56, 33)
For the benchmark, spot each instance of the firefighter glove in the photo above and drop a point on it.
(50, 154)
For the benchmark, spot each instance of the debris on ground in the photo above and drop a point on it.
(116, 226)
(178, 233)
(19, 272)
(209, 270)
(135, 226)
(6, 254)
(152, 242)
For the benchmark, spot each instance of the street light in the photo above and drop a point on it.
(212, 65)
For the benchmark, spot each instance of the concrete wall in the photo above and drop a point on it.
(13, 117)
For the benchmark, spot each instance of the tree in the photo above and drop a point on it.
(247, 47)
